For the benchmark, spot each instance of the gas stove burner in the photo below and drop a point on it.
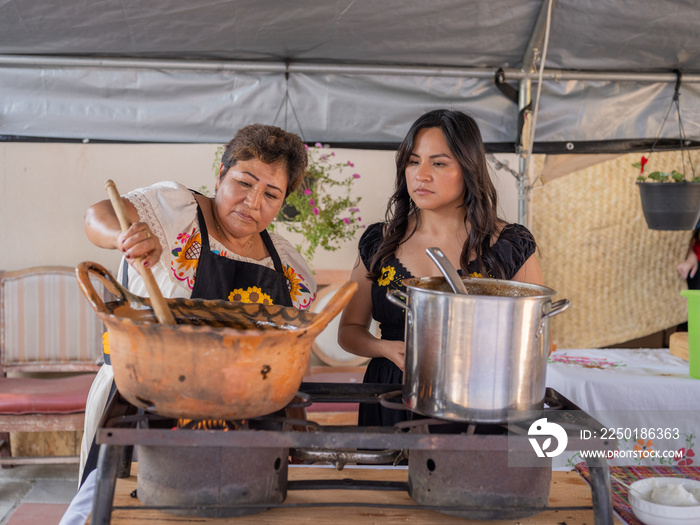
(212, 482)
(208, 424)
(476, 483)
(458, 468)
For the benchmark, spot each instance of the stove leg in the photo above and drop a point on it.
(601, 491)
(125, 463)
(108, 463)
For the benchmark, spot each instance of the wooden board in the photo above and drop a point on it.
(567, 490)
(63, 443)
(678, 344)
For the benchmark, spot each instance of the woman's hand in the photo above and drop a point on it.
(689, 267)
(139, 241)
(395, 351)
(354, 334)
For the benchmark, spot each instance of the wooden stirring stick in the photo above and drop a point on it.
(160, 306)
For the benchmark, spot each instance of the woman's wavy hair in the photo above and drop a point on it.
(480, 199)
(269, 144)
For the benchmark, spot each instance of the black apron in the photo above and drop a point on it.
(219, 277)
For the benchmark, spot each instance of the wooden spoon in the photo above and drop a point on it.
(160, 306)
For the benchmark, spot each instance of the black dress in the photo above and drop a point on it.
(514, 246)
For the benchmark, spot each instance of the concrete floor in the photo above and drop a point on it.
(36, 494)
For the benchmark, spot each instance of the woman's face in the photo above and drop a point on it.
(433, 176)
(250, 195)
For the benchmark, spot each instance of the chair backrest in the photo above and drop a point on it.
(46, 323)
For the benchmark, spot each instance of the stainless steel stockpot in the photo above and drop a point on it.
(476, 357)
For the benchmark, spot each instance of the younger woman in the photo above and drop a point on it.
(443, 197)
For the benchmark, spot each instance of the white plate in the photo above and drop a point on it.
(656, 514)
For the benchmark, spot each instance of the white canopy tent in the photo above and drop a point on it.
(352, 73)
(356, 72)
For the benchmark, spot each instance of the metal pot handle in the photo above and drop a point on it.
(557, 308)
(385, 400)
(397, 297)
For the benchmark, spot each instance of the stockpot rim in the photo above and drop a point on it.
(545, 292)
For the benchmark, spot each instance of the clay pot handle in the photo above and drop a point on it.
(160, 307)
(83, 271)
(335, 305)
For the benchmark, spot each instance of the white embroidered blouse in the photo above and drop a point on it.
(170, 210)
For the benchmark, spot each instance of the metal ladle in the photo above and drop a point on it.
(449, 271)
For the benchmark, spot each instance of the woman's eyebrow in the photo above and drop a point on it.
(257, 179)
(437, 155)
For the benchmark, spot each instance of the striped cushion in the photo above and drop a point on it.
(47, 320)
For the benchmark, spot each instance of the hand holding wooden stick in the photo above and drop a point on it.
(160, 306)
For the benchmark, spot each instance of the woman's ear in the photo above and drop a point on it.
(218, 178)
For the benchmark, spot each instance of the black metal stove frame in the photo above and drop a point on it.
(119, 431)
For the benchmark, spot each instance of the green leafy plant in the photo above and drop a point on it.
(661, 176)
(322, 209)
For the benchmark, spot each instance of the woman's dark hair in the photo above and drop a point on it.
(268, 144)
(480, 199)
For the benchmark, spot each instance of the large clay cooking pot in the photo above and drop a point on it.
(222, 360)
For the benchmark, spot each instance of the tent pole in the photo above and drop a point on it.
(558, 75)
(533, 53)
(524, 150)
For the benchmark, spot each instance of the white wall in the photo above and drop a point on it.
(46, 188)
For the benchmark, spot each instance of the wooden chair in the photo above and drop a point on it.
(46, 326)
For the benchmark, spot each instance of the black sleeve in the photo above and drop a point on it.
(515, 245)
(369, 242)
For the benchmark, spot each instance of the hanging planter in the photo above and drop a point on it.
(670, 206)
(670, 201)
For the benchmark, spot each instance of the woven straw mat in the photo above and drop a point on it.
(595, 249)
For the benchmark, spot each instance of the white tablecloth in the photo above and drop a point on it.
(641, 393)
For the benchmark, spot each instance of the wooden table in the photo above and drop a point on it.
(568, 489)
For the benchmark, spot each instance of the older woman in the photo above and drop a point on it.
(209, 247)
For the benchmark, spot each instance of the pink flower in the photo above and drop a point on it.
(307, 191)
(306, 146)
(359, 219)
(346, 220)
(354, 210)
(315, 211)
(323, 157)
(312, 202)
(355, 175)
(351, 165)
(318, 145)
